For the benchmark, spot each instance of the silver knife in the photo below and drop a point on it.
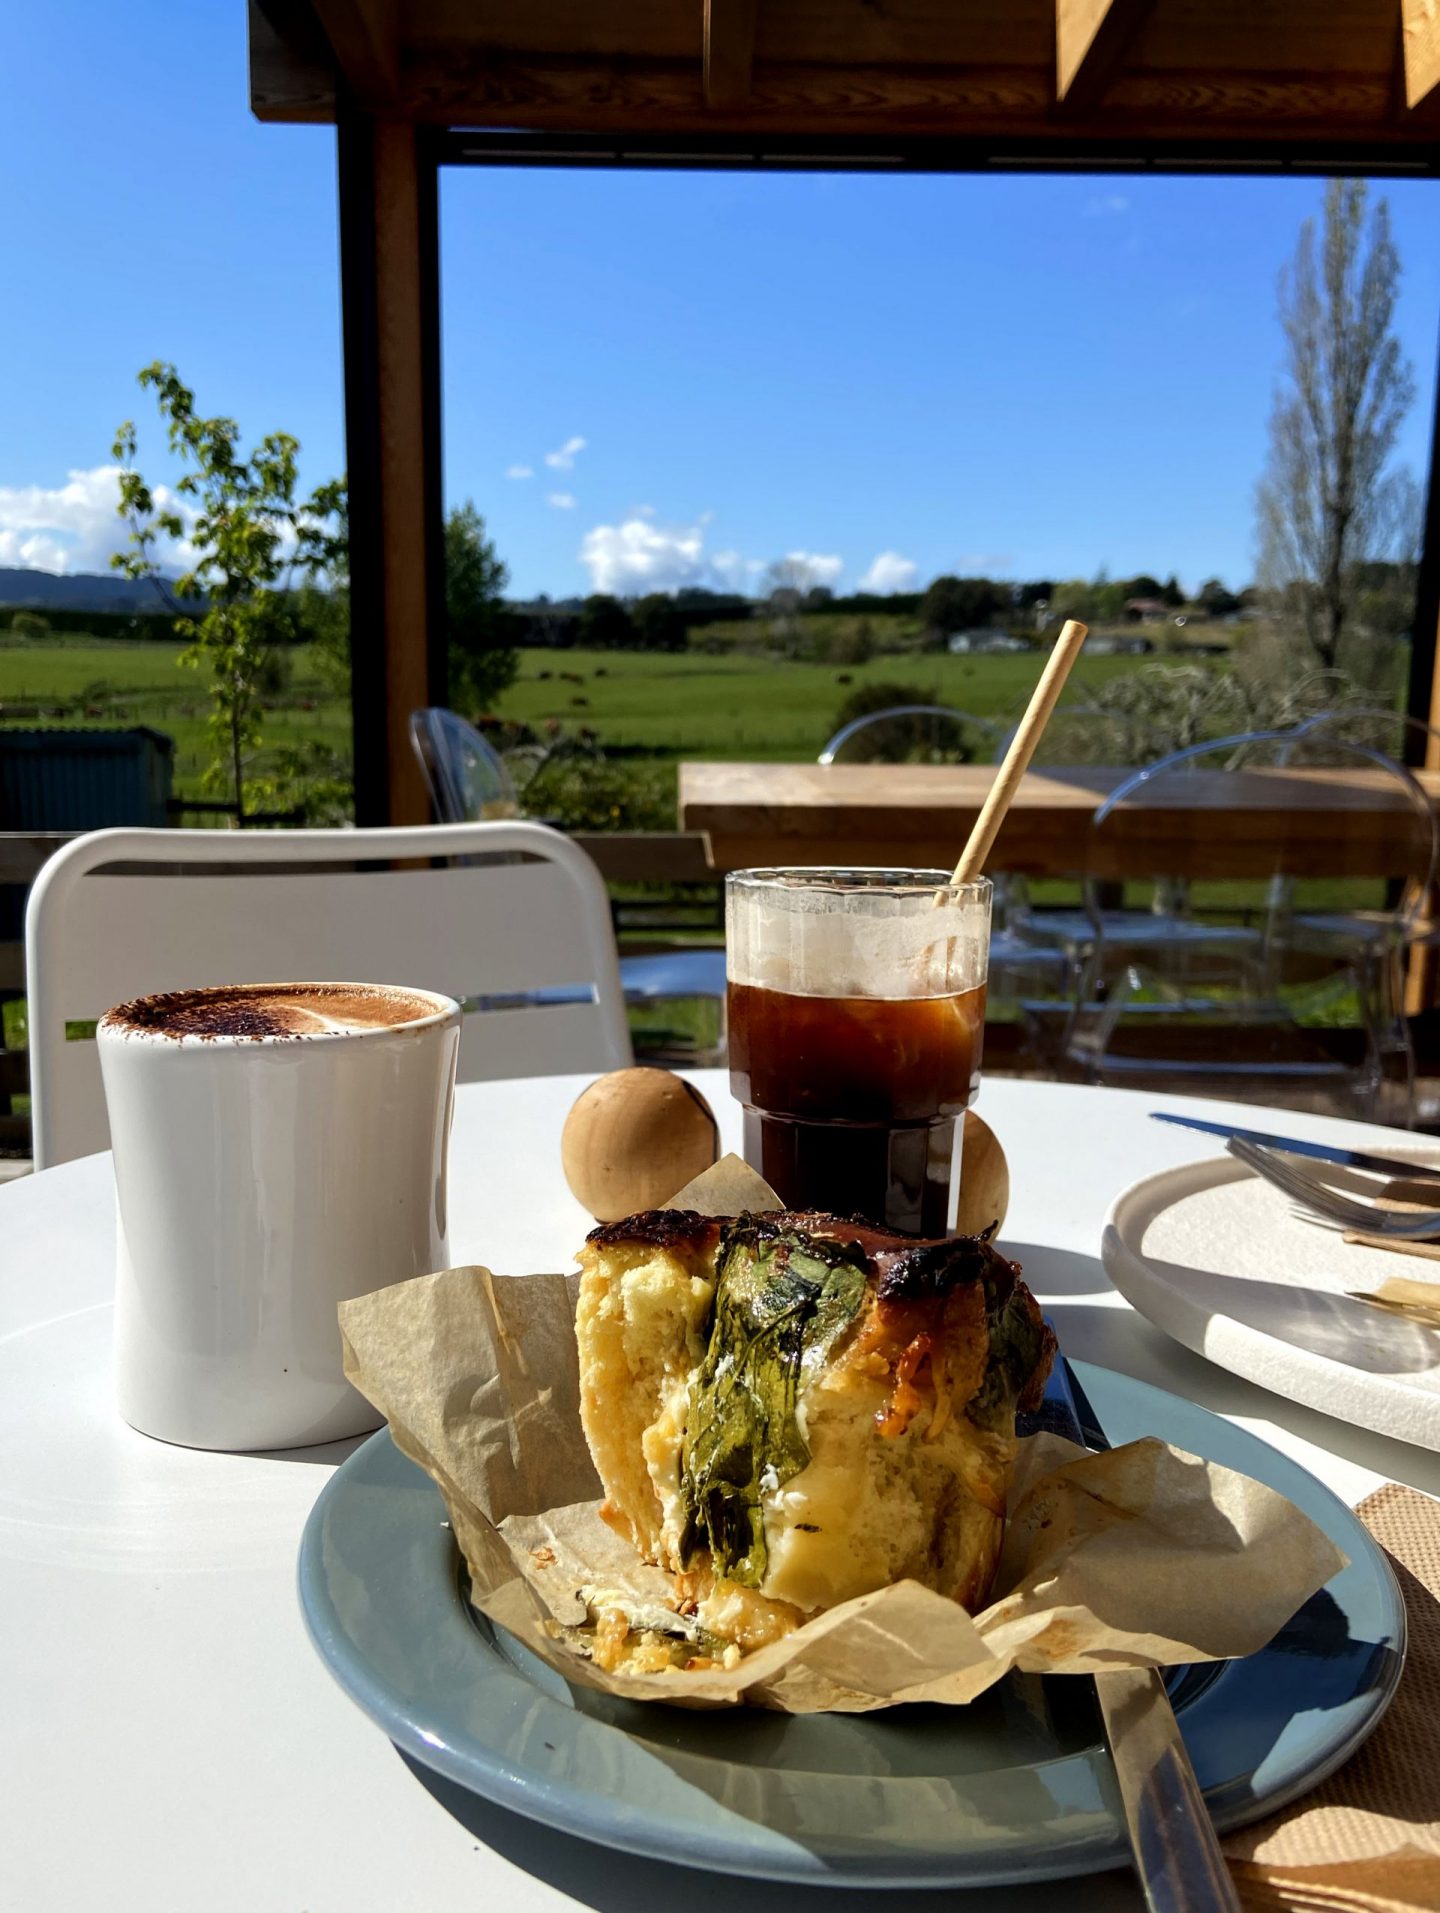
(1172, 1838)
(1323, 1152)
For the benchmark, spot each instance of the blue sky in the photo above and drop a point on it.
(1032, 377)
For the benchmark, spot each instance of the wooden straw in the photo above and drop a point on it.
(1022, 748)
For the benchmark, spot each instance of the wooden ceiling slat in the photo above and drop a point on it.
(618, 29)
(995, 103)
(363, 35)
(1420, 41)
(729, 52)
(1234, 70)
(1268, 36)
(1092, 38)
(292, 78)
(907, 32)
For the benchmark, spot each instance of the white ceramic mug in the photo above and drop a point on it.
(264, 1175)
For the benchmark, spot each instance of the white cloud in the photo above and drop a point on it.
(564, 459)
(638, 555)
(812, 567)
(889, 572)
(519, 471)
(74, 526)
(736, 571)
(562, 501)
(1106, 206)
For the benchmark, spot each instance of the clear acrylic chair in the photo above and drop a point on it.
(1039, 944)
(467, 778)
(1392, 732)
(469, 783)
(1404, 739)
(914, 734)
(1207, 976)
(1083, 735)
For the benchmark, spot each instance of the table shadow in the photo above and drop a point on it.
(1321, 1321)
(611, 1882)
(1057, 1271)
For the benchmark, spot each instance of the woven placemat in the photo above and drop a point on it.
(1369, 1836)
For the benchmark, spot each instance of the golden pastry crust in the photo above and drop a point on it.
(790, 1410)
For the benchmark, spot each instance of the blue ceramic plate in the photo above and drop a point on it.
(1016, 1786)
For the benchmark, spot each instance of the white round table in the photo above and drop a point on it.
(172, 1741)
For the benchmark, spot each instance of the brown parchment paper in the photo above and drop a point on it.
(1143, 1556)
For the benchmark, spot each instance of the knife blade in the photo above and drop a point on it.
(1395, 1166)
(1172, 1838)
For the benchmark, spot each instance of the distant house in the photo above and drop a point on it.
(972, 642)
(1113, 645)
(1146, 610)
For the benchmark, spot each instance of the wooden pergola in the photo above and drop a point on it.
(1107, 86)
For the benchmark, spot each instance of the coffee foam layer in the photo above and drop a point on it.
(817, 942)
(271, 1010)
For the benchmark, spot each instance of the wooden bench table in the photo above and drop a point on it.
(1214, 823)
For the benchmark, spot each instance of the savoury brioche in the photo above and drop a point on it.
(788, 1410)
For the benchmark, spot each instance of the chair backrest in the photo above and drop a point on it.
(522, 939)
(1243, 810)
(913, 733)
(1405, 738)
(468, 781)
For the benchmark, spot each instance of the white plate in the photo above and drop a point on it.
(1215, 1256)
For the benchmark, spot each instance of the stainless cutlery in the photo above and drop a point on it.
(1396, 1166)
(1304, 1187)
(1172, 1838)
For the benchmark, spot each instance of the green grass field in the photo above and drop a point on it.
(110, 683)
(690, 705)
(667, 707)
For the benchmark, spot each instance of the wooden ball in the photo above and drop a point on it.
(633, 1138)
(984, 1178)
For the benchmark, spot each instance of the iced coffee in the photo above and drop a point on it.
(856, 1017)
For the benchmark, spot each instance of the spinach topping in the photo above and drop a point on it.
(783, 1299)
(1017, 1346)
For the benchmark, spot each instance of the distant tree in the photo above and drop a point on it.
(818, 597)
(29, 625)
(660, 624)
(251, 537)
(605, 624)
(1170, 593)
(1215, 600)
(1072, 598)
(1327, 502)
(1107, 599)
(483, 665)
(1144, 586)
(957, 604)
(1037, 591)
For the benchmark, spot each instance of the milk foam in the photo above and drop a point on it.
(811, 940)
(271, 1010)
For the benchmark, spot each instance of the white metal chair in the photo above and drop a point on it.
(522, 940)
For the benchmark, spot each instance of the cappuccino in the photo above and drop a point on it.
(278, 1148)
(273, 1010)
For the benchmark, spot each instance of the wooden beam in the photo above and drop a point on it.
(363, 37)
(1420, 45)
(292, 73)
(1091, 40)
(729, 52)
(390, 298)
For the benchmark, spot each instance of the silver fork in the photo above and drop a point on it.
(1306, 1189)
